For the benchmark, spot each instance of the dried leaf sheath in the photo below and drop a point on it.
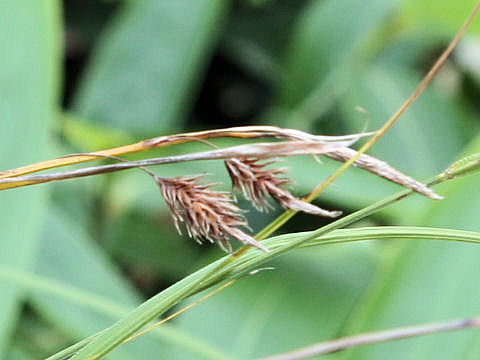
(258, 183)
(208, 214)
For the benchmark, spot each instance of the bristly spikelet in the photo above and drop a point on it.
(381, 168)
(258, 183)
(207, 214)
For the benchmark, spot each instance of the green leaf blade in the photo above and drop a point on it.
(30, 69)
(141, 77)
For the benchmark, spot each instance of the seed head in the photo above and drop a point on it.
(208, 215)
(257, 183)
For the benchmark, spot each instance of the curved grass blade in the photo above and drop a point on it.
(241, 260)
(254, 259)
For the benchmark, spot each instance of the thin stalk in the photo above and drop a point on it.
(287, 215)
(328, 347)
(257, 150)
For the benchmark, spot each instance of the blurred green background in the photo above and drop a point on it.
(83, 75)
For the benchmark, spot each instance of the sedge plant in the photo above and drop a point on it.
(210, 215)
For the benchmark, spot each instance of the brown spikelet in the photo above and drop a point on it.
(208, 214)
(382, 169)
(258, 183)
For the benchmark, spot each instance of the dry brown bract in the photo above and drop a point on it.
(257, 183)
(208, 214)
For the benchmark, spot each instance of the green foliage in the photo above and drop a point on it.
(428, 282)
(29, 63)
(324, 47)
(143, 71)
(444, 16)
(78, 256)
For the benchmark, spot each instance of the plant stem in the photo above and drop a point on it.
(287, 215)
(257, 150)
(328, 347)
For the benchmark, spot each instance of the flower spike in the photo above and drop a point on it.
(257, 183)
(208, 215)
